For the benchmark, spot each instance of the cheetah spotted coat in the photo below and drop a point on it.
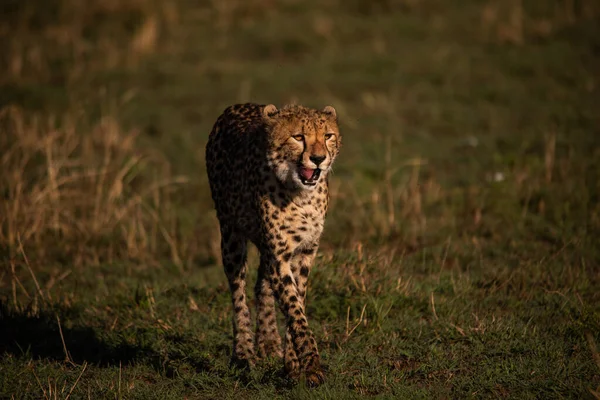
(268, 170)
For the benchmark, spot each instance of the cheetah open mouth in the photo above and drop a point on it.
(309, 176)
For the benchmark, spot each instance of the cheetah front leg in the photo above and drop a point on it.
(268, 341)
(289, 294)
(234, 254)
(302, 263)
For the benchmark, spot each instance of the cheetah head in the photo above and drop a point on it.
(302, 144)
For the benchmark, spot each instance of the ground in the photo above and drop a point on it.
(460, 254)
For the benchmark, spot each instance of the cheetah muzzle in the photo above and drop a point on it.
(268, 173)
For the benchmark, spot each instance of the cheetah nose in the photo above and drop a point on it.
(317, 159)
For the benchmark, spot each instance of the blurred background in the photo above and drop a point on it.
(469, 171)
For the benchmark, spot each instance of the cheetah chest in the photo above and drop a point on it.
(300, 224)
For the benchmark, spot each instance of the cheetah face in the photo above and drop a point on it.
(303, 144)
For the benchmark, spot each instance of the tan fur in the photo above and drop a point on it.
(255, 157)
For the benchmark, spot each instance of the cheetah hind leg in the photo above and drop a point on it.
(268, 341)
(234, 254)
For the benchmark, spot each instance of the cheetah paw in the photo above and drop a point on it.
(315, 377)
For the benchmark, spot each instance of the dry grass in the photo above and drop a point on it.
(86, 198)
(89, 35)
(512, 22)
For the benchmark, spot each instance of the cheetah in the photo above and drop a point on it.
(268, 173)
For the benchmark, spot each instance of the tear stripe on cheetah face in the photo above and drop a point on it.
(302, 145)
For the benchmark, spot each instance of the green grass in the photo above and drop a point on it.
(460, 257)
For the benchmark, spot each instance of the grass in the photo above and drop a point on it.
(460, 257)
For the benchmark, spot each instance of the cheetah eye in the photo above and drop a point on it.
(298, 137)
(329, 136)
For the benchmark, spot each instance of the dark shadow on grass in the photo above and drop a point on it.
(36, 335)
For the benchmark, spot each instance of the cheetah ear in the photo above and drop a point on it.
(330, 111)
(269, 111)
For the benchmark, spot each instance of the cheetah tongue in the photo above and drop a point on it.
(307, 173)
